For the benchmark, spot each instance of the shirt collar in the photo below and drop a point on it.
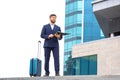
(52, 24)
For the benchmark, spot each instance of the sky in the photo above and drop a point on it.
(21, 22)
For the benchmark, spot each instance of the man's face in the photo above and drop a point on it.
(53, 19)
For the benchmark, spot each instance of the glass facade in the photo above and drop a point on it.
(81, 25)
(91, 27)
(73, 25)
(85, 65)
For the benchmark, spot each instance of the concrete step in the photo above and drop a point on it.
(115, 77)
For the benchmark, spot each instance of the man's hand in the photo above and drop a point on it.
(57, 35)
(51, 36)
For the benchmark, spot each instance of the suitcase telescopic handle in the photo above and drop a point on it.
(39, 50)
(39, 41)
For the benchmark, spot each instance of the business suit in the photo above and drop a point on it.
(51, 44)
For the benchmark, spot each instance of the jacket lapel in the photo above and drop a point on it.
(50, 27)
(54, 27)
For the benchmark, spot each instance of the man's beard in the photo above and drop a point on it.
(53, 21)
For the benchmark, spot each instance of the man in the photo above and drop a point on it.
(51, 44)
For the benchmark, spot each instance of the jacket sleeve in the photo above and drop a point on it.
(43, 33)
(60, 35)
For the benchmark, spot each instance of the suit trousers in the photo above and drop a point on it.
(55, 51)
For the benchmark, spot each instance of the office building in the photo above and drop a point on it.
(101, 57)
(82, 26)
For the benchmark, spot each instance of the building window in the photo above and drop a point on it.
(67, 64)
(85, 65)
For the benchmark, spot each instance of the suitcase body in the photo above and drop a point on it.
(36, 64)
(35, 67)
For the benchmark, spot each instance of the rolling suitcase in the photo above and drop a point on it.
(35, 64)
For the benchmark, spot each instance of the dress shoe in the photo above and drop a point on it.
(57, 74)
(45, 75)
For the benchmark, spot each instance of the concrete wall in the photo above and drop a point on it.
(107, 13)
(103, 4)
(108, 52)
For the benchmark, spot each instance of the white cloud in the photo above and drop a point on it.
(20, 25)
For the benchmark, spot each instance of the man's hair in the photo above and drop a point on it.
(52, 15)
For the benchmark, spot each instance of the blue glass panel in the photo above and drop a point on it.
(78, 41)
(79, 18)
(84, 65)
(93, 65)
(79, 5)
(78, 31)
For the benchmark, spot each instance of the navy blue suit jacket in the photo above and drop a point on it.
(46, 31)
